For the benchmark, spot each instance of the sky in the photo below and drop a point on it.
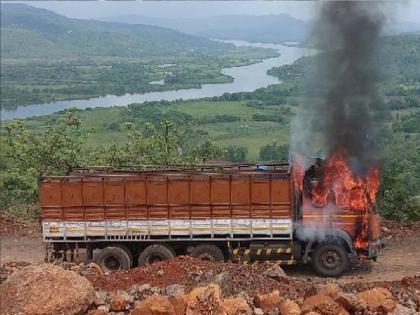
(403, 11)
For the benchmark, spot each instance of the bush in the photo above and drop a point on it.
(274, 152)
(236, 153)
(399, 194)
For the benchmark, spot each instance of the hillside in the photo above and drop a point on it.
(263, 28)
(48, 57)
(29, 32)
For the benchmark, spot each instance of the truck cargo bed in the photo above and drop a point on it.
(226, 203)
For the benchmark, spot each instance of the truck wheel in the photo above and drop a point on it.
(113, 258)
(154, 253)
(208, 252)
(330, 260)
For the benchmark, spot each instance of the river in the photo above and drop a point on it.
(245, 79)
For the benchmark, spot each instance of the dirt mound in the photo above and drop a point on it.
(10, 224)
(45, 290)
(233, 278)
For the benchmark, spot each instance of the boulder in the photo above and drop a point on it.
(323, 304)
(236, 306)
(289, 307)
(350, 301)
(44, 290)
(141, 309)
(378, 299)
(154, 305)
(201, 300)
(93, 268)
(97, 312)
(275, 272)
(118, 303)
(211, 289)
(268, 302)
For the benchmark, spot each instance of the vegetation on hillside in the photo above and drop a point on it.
(48, 57)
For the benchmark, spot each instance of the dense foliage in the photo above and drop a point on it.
(60, 149)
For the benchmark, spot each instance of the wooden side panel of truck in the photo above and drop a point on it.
(168, 204)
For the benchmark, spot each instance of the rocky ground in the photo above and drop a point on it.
(185, 285)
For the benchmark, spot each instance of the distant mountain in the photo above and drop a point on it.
(29, 32)
(262, 28)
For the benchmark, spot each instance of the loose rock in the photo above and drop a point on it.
(378, 299)
(289, 307)
(350, 302)
(323, 304)
(154, 305)
(275, 272)
(236, 306)
(268, 302)
(201, 300)
(118, 303)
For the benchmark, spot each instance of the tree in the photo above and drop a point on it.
(398, 197)
(274, 152)
(236, 153)
(207, 151)
(56, 150)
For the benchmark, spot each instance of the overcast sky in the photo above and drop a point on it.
(408, 10)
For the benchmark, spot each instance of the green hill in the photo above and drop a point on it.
(263, 28)
(29, 32)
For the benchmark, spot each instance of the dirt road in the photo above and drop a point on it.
(27, 248)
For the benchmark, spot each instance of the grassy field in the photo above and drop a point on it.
(106, 125)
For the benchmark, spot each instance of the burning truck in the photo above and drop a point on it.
(320, 212)
(323, 214)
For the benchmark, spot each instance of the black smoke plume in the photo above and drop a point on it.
(340, 111)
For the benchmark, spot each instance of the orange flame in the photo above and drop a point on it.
(340, 184)
(337, 184)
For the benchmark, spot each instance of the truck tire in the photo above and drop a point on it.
(208, 252)
(114, 258)
(154, 253)
(330, 260)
